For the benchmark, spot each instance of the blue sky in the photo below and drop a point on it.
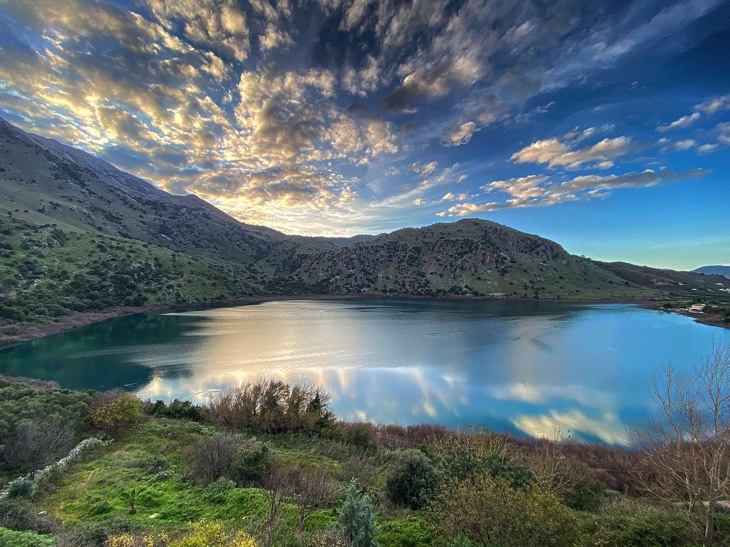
(602, 125)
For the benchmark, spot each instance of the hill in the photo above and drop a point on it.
(481, 258)
(47, 182)
(714, 270)
(78, 234)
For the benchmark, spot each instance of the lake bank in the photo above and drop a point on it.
(13, 334)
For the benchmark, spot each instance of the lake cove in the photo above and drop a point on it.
(520, 367)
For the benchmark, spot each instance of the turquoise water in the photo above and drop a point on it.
(520, 367)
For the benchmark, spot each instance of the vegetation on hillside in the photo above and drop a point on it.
(268, 464)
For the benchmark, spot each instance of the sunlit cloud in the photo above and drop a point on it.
(309, 116)
(542, 190)
(556, 153)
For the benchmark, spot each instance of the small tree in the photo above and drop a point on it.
(313, 491)
(357, 518)
(412, 482)
(686, 449)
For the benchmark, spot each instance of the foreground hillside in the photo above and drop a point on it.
(78, 235)
(270, 465)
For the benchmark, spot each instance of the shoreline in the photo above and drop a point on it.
(35, 331)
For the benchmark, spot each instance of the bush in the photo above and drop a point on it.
(22, 516)
(214, 457)
(272, 406)
(200, 429)
(25, 539)
(35, 401)
(412, 482)
(410, 532)
(96, 534)
(114, 411)
(362, 435)
(21, 488)
(488, 510)
(34, 445)
(628, 523)
(356, 518)
(230, 456)
(177, 409)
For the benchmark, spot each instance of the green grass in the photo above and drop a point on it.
(152, 460)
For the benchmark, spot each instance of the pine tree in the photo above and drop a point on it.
(357, 518)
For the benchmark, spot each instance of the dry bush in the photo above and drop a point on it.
(34, 445)
(272, 406)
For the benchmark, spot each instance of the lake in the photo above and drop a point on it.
(519, 367)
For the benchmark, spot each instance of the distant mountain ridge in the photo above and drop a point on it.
(61, 190)
(714, 270)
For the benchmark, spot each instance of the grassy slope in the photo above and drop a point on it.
(152, 459)
(46, 272)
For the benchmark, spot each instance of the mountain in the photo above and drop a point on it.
(79, 234)
(479, 258)
(51, 182)
(714, 270)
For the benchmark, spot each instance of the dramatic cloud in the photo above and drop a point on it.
(340, 116)
(555, 153)
(541, 190)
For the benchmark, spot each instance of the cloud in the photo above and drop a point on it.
(461, 134)
(555, 153)
(542, 190)
(426, 169)
(216, 24)
(714, 105)
(685, 144)
(707, 148)
(684, 121)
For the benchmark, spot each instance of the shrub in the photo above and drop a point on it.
(177, 409)
(22, 516)
(212, 534)
(114, 411)
(96, 534)
(214, 457)
(34, 401)
(410, 532)
(34, 445)
(272, 406)
(356, 518)
(628, 523)
(25, 539)
(21, 488)
(362, 435)
(200, 429)
(488, 510)
(412, 482)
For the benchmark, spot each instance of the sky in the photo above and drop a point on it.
(602, 125)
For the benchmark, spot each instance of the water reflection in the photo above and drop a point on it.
(522, 367)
